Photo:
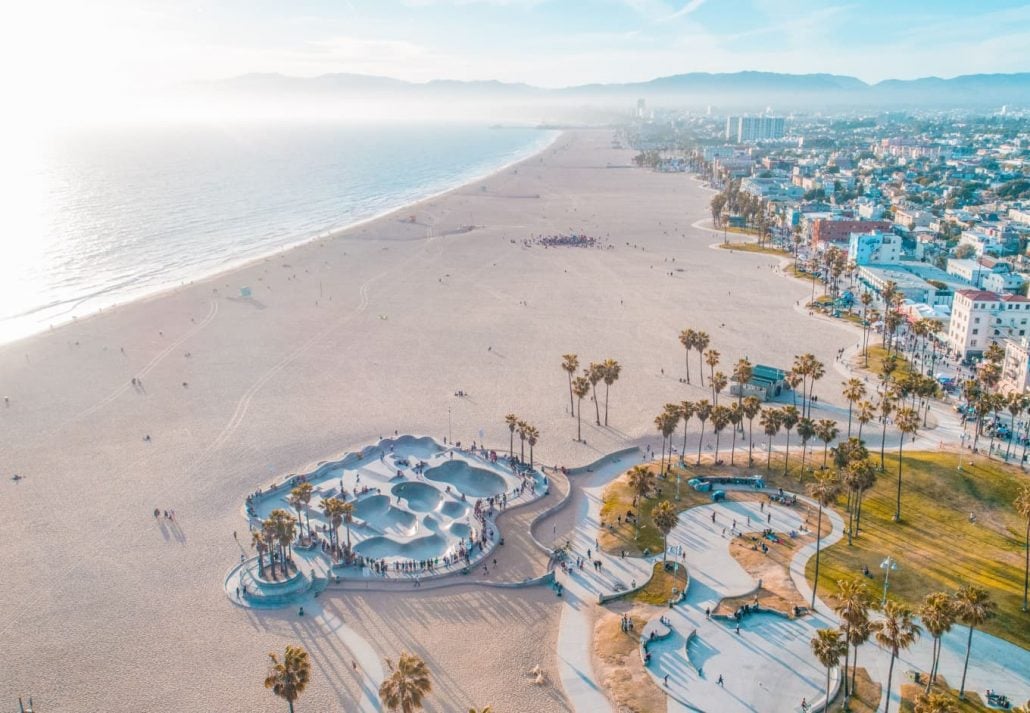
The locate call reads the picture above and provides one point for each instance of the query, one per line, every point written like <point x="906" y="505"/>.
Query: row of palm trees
<point x="896" y="630"/>
<point x="664" y="514"/>
<point x="275" y="537"/>
<point x="527" y="433"/>
<point x="606" y="371"/>
<point x="405" y="689"/>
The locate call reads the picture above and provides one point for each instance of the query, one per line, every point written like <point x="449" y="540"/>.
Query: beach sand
<point x="344" y="340"/>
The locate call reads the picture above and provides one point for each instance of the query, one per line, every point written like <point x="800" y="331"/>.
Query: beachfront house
<point x="767" y="382"/>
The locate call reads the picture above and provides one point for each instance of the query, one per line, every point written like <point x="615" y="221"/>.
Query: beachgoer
<point x="720" y="680"/>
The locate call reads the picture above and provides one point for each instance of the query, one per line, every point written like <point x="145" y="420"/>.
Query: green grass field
<point x="936" y="545"/>
<point x="754" y="248"/>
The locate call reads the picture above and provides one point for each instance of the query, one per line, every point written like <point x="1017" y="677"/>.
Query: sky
<point x="68" y="50"/>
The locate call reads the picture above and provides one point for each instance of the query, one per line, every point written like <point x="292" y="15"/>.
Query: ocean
<point x="98" y="217"/>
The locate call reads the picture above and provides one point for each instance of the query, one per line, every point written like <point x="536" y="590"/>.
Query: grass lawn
<point x="936" y="546"/>
<point x="865" y="699"/>
<point x="972" y="703"/>
<point x="877" y="355"/>
<point x="659" y="590"/>
<point x="753" y="248"/>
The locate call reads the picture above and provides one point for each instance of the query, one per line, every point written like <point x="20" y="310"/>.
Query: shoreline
<point x="147" y="293"/>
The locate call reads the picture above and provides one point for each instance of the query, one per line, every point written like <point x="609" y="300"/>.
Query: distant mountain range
<point x="745" y="91"/>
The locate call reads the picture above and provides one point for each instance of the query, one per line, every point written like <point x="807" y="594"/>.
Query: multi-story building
<point x="979" y="317"/>
<point x="1015" y="370"/>
<point x="829" y="232"/>
<point x="874" y="248"/>
<point x="754" y="128"/>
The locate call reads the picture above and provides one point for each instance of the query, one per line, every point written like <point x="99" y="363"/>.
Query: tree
<point x="736" y="416"/>
<point x="751" y="407"/>
<point x="771" y="420"/>
<point x="686" y="411"/>
<point x="852" y="607"/>
<point x="853" y="391"/>
<point x="334" y="510"/>
<point x="973" y="607"/>
<point x="927" y="702"/>
<point x="828" y="646"/>
<point x="289" y="676"/>
<point x="701" y="341"/>
<point x="865" y="415"/>
<point x="641" y="481"/>
<point x="569" y="364"/>
<point x="719" y="382"/>
<point x="742" y="373"/>
<point x="258" y="540"/>
<point x="610" y="370"/>
<point x="789" y="420"/>
<point x="859" y="476"/>
<point x="688" y="337"/>
<point x="580" y="387"/>
<point x="532" y="437"/>
<point x="407" y="685"/>
<point x="512" y="420"/>
<point x="702" y="409"/>
<point x="1022" y="505"/>
<point x="594" y="374"/>
<point x="666" y="423"/>
<point x="825" y="490"/>
<point x="886" y="408"/>
<point x="895" y="632"/>
<point x="907" y="421"/>
<point x="806" y="430"/>
<point x="711" y="358"/>
<point x="826" y="430"/>
<point x="938" y="614"/>
<point x="858" y="634"/>
<point x="720" y="419"/>
<point x="665" y="518"/>
<point x="299" y="498"/>
<point x="522" y="428"/>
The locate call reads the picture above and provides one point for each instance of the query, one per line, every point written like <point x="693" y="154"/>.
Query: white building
<point x="1015" y="370"/>
<point x="754" y="128"/>
<point x="979" y="317"/>
<point x="874" y="248"/>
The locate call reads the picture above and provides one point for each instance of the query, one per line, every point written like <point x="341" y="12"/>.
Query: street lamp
<point x="677" y="486"/>
<point x="888" y="566"/>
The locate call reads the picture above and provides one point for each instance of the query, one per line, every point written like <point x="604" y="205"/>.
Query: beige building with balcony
<point x="979" y="318"/>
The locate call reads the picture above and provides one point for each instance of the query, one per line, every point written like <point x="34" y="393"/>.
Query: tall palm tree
<point x="751" y="407"/>
<point x="816" y="371"/>
<point x="595" y="374"/>
<point x="665" y="518"/>
<point x="885" y="407"/>
<point x="858" y="633"/>
<point x="1015" y="404"/>
<point x="257" y="539"/>
<point x="828" y="646"/>
<point x="771" y="420"/>
<point x="853" y="601"/>
<point x="335" y="511"/>
<point x="825" y="490"/>
<point x="853" y="391"/>
<point x="289" y="676"/>
<point x="789" y="420"/>
<point x="907" y="421"/>
<point x="1022" y="505"/>
<point x="896" y="632"/>
<point x="806" y="430"/>
<point x="864" y="415"/>
<point x="641" y="481"/>
<point x="686" y="413"/>
<point x="610" y="370"/>
<point x="859" y="476"/>
<point x="407" y="685"/>
<point x="512" y="420"/>
<point x="702" y="409"/>
<point x="687" y="339"/>
<point x="296" y="501"/>
<point x="718" y="383"/>
<point x="927" y="702"/>
<point x="569" y="364"/>
<point x="938" y="614"/>
<point x="736" y="419"/>
<point x="532" y="437"/>
<point x="580" y="387"/>
<point x="742" y="373"/>
<point x="826" y="430"/>
<point x="701" y="341"/>
<point x="973" y="607"/>
<point x="720" y="420"/>
<point x="522" y="428"/>
<point x="712" y="357"/>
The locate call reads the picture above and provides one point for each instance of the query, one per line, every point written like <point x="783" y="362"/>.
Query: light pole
<point x="449" y="425"/>
<point x="677" y="486"/>
<point x="888" y="565"/>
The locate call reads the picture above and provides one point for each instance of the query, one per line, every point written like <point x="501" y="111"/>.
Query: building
<point x="979" y="317"/>
<point x="826" y="232"/>
<point x="874" y="248"/>
<point x="767" y="382"/>
<point x="912" y="218"/>
<point x="754" y="128"/>
<point x="1015" y="369"/>
<point x="641" y="108"/>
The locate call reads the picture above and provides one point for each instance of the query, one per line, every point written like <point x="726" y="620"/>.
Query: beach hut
<point x="766" y="382"/>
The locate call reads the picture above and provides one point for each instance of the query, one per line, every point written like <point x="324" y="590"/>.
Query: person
<point x="720" y="680"/>
<point x="301" y="612"/>
<point x="666" y="680"/>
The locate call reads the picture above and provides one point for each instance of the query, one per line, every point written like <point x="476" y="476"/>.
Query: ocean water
<point x="98" y="217"/>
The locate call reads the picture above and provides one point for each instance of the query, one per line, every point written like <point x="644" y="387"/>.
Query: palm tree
<point x="569" y="364"/>
<point x="816" y="372"/>
<point x="641" y="481"/>
<point x="806" y="430"/>
<point x="701" y="341"/>
<point x="826" y="430"/>
<point x="711" y="358"/>
<point x="610" y="370"/>
<point x="852" y="607"/>
<point x="895" y="632"/>
<point x="522" y="428"/>
<point x="595" y="374"/>
<point x="702" y="409"/>
<point x="719" y="382"/>
<point x="938" y="614"/>
<point x="335" y="510"/>
<point x="289" y="676"/>
<point x="828" y="646"/>
<point x="687" y="339"/>
<point x="858" y="633"/>
<point x="1015" y="404"/>
<point x="1022" y="505"/>
<point x="825" y="490"/>
<point x="665" y="518"/>
<point x="484" y="709"/>
<point x="686" y="413"/>
<point x="742" y="373"/>
<point x="258" y="541"/>
<point x="751" y="407"/>
<point x="865" y="415"/>
<point x="789" y="420"/>
<point x="927" y="702"/>
<point x="771" y="420"/>
<point x="512" y="420"/>
<point x="580" y="387"/>
<point x="973" y="607"/>
<point x="859" y="476"/>
<point x="736" y="419"/>
<point x="885" y="408"/>
<point x="532" y="437"/>
<point x="907" y="422"/>
<point x="296" y="501"/>
<point x="854" y="390"/>
<point x="720" y="420"/>
<point x="407" y="685"/>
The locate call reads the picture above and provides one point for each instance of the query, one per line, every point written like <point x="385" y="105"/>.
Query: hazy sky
<point x="92" y="48"/>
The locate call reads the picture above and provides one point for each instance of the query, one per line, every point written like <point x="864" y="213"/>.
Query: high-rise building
<point x="754" y="128"/>
<point x="641" y="108"/>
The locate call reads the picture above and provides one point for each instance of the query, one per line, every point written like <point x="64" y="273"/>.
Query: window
<point x="976" y="331"/>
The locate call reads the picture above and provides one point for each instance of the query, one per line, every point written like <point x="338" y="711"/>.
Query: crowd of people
<point x="566" y="240"/>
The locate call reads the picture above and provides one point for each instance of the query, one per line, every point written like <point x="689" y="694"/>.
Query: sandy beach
<point x="344" y="340"/>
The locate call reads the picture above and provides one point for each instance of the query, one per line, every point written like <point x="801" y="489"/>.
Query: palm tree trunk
<point x="854" y="667"/>
<point x="607" y="388"/>
<point x="933" y="663"/>
<point x="511" y="443"/>
<point x="683" y="453"/>
<point x="733" y="444"/>
<point x="890" y="674"/>
<point x="700" y="440"/>
<point x="530" y="455"/>
<point x="750" y="440"/>
<point x="844" y="678"/>
<point x="1026" y="567"/>
<point x="701" y="367"/>
<point x="965" y="666"/>
<point x="828" y="686"/>
<point x="786" y="454"/>
<point x="717" y="434"/>
<point x="686" y="360"/>
<point x="291" y="706"/>
<point x="818" y="544"/>
<point x="883" y="443"/>
<point x="597" y="407"/>
<point x="768" y="458"/>
<point x="579" y="422"/>
<point x="897" y="507"/>
<point x="572" y="404"/>
<point x="860" y="424"/>
<point x="850" y="404"/>
<point x="804" y="445"/>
